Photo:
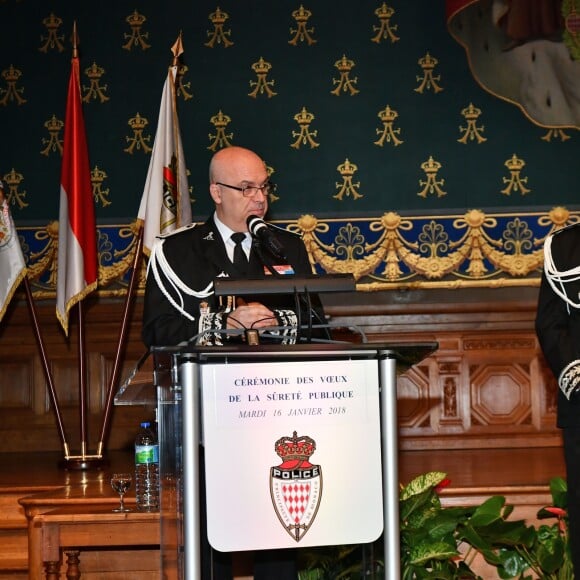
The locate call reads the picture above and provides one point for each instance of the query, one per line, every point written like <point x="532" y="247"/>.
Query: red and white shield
<point x="296" y="493"/>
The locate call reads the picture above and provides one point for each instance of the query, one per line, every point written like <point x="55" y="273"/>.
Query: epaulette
<point x="177" y="231"/>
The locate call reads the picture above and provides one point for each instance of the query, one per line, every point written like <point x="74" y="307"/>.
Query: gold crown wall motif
<point x="295" y="448"/>
<point x="53" y="125"/>
<point x="52" y="22"/>
<point x="347" y="169"/>
<point x="515" y="163"/>
<point x="98" y="175"/>
<point x="137" y="122"/>
<point x="344" y="64"/>
<point x="302" y="14"/>
<point x="220" y="120"/>
<point x="94" y="72"/>
<point x="471" y="112"/>
<point x="261" y="67"/>
<point x="135" y="19"/>
<point x="12" y="178"/>
<point x="11" y="74"/>
<point x="304" y="117"/>
<point x="430" y="166"/>
<point x="384" y="11"/>
<point x="388" y="115"/>
<point x="427" y="61"/>
<point x="218" y="17"/>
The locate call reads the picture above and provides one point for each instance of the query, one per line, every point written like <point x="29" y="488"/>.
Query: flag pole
<point x="82" y="379"/>
<point x="45" y="365"/>
<point x="177" y="50"/>
<point x="120" y="343"/>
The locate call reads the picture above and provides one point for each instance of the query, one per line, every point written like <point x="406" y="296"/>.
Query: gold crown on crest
<point x="427" y="61"/>
<point x="98" y="175"/>
<point x="137" y="122"/>
<point x="54" y="125"/>
<point x="261" y="67"/>
<point x="384" y="11"/>
<point x="344" y="64"/>
<point x="302" y="14"/>
<point x="135" y="19"/>
<point x="219" y="16"/>
<point x="12" y="178"/>
<point x="300" y="448"/>
<point x="304" y="117"/>
<point x="471" y="112"/>
<point x="430" y="166"/>
<point x="94" y="71"/>
<point x="52" y="22"/>
<point x="11" y="74"/>
<point x="515" y="163"/>
<point x="347" y="169"/>
<point x="220" y="120"/>
<point x="387" y="114"/>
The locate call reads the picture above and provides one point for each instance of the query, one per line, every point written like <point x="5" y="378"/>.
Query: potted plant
<point x="441" y="542"/>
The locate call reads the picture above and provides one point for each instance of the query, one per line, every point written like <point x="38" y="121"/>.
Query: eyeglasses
<point x="250" y="190"/>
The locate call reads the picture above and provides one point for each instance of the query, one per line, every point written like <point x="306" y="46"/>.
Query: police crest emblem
<point x="296" y="484"/>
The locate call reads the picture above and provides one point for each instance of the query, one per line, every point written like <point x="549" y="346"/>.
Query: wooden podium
<point x="231" y="379"/>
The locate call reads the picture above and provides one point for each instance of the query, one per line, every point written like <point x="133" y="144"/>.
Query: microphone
<point x="260" y="230"/>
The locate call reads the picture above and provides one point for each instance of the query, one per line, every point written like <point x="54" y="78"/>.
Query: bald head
<point x="230" y="170"/>
<point x="233" y="160"/>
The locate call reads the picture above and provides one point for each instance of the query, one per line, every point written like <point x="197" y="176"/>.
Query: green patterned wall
<point x="359" y="109"/>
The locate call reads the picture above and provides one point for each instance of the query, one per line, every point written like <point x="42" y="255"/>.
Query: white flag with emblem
<point x="12" y="264"/>
<point x="165" y="204"/>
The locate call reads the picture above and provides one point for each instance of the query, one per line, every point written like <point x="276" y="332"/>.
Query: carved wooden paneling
<point x="17" y="380"/>
<point x="487" y="385"/>
<point x="27" y="417"/>
<point x="500" y="394"/>
<point x="413" y="396"/>
<point x="450" y="410"/>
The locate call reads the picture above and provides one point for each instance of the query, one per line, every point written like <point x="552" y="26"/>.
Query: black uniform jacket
<point x="197" y="254"/>
<point x="557" y="326"/>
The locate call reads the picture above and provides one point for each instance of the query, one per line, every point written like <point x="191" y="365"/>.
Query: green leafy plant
<point x="441" y="542"/>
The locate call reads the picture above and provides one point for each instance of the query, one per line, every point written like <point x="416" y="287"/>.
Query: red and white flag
<point x="77" y="270"/>
<point x="165" y="205"/>
<point x="12" y="264"/>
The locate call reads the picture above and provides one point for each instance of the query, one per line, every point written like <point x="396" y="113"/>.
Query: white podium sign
<point x="292" y="453"/>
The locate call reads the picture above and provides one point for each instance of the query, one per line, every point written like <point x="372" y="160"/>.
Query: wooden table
<point x="78" y="514"/>
<point x="77" y="527"/>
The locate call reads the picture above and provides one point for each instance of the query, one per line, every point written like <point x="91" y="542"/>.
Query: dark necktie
<point x="240" y="258"/>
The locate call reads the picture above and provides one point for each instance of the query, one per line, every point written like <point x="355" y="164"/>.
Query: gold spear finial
<point x="177" y="49"/>
<point x="75" y="40"/>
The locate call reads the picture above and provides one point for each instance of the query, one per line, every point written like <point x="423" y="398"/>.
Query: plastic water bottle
<point x="147" y="469"/>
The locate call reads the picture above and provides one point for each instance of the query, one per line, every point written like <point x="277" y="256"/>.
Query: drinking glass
<point x="121" y="482"/>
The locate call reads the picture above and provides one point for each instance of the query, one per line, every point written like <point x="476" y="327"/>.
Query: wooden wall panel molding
<point x="27" y="419"/>
<point x="414" y="396"/>
<point x="17" y="383"/>
<point x="452" y="405"/>
<point x="487" y="386"/>
<point x="500" y="394"/>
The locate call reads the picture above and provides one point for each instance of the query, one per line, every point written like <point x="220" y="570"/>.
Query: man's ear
<point x="216" y="193"/>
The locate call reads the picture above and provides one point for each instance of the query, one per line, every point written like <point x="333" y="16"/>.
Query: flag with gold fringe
<point x="12" y="264"/>
<point x="77" y="270"/>
<point x="165" y="204"/>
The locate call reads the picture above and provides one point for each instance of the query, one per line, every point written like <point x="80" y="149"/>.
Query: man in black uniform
<point x="180" y="304"/>
<point x="179" y="299"/>
<point x="558" y="330"/>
